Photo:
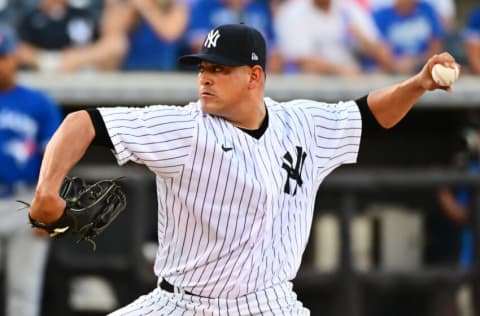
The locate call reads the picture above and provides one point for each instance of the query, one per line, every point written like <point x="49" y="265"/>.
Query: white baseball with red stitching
<point x="444" y="76"/>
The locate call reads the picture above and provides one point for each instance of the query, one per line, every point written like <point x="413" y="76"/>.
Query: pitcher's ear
<point x="256" y="75"/>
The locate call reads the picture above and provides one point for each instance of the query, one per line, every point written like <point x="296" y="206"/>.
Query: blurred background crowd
<point x="328" y="37"/>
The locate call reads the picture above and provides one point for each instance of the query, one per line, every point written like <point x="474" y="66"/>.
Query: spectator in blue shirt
<point x="28" y="119"/>
<point x="153" y="29"/>
<point x="413" y="31"/>
<point x="471" y="36"/>
<point x="208" y="14"/>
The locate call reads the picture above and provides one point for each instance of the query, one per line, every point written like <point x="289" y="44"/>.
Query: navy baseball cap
<point x="8" y="40"/>
<point x="231" y="45"/>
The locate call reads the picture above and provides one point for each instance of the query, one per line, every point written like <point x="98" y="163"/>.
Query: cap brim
<point x="196" y="59"/>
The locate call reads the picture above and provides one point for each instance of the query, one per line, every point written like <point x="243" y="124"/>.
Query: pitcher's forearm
<point x="65" y="149"/>
<point x="389" y="105"/>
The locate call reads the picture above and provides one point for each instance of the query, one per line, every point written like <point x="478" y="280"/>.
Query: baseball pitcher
<point x="236" y="176"/>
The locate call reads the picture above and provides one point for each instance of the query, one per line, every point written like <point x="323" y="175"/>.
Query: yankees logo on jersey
<point x="294" y="172"/>
<point x="226" y="199"/>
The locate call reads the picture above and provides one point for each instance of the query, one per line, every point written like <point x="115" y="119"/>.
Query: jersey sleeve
<point x="337" y="132"/>
<point x="159" y="137"/>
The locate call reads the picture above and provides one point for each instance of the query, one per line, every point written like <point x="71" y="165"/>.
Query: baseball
<point x="444" y="76"/>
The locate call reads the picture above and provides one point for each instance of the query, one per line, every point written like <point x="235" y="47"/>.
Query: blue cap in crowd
<point x="8" y="40"/>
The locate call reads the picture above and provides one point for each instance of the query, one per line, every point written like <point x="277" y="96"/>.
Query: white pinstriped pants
<point x="275" y="301"/>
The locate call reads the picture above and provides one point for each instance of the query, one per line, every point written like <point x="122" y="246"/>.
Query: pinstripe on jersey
<point x="234" y="211"/>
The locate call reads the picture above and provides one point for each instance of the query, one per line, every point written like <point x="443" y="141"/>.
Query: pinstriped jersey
<point x="234" y="212"/>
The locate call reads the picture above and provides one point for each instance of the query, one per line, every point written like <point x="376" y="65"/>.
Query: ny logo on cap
<point x="212" y="39"/>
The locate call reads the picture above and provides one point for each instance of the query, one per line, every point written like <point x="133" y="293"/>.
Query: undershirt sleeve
<point x="363" y="107"/>
<point x="369" y="122"/>
<point x="101" y="135"/>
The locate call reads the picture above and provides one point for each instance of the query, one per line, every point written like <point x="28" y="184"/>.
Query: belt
<point x="164" y="285"/>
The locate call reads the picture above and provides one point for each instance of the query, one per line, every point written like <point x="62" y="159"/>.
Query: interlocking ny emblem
<point x="293" y="172"/>
<point x="212" y="39"/>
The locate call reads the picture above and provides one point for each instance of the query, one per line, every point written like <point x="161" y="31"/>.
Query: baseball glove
<point x="89" y="210"/>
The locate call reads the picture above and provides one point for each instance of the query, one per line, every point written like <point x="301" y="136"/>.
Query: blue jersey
<point x="28" y="119"/>
<point x="409" y="35"/>
<point x="472" y="27"/>
<point x="206" y="15"/>
<point x="149" y="52"/>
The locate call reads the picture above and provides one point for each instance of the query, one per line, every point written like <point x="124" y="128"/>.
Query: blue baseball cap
<point x="8" y="41"/>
